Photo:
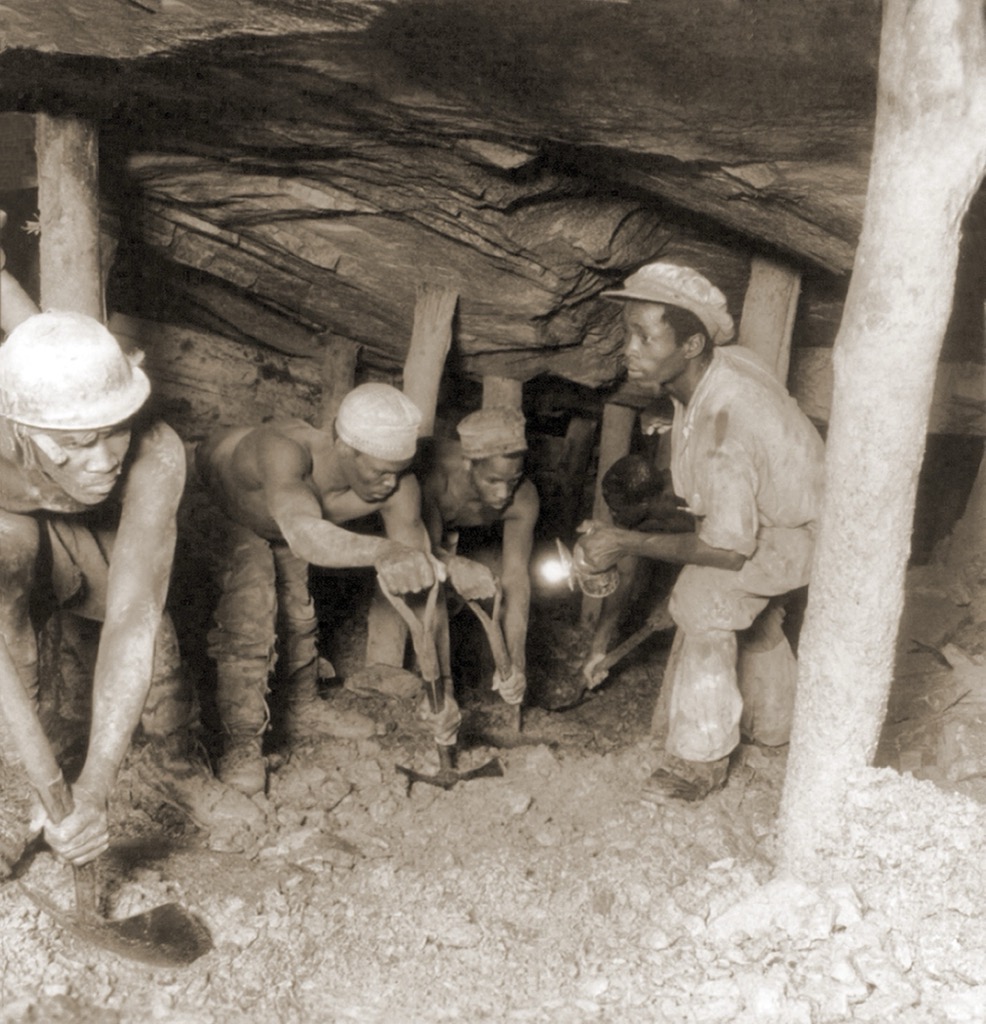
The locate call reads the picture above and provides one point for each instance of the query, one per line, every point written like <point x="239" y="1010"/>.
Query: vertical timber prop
<point x="68" y="202"/>
<point x="615" y="439"/>
<point x="431" y="339"/>
<point x="929" y="154"/>
<point x="499" y="391"/>
<point x="338" y="376"/>
<point x="769" y="308"/>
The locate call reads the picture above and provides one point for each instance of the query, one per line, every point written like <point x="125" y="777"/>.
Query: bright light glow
<point x="554" y="570"/>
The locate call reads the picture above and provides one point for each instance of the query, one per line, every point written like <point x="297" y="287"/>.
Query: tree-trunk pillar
<point x="929" y="152"/>
<point x="68" y="202"/>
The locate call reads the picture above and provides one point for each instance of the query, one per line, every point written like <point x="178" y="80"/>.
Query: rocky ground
<point x="551" y="893"/>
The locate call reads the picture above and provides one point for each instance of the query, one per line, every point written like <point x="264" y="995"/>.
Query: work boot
<point x="678" y="779"/>
<point x="177" y="770"/>
<point x="243" y="765"/>
<point x="311" y="717"/>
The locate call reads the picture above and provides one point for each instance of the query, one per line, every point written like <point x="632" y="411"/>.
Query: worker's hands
<point x="472" y="580"/>
<point x="84" y="834"/>
<point x="592" y="673"/>
<point x="512" y="687"/>
<point x="445" y="724"/>
<point x="406" y="570"/>
<point x="599" y="547"/>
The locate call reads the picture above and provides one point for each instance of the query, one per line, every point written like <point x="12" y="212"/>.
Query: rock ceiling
<point x="298" y="160"/>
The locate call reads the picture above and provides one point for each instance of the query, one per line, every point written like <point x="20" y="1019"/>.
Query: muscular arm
<point x="518" y="540"/>
<point x="604" y="545"/>
<point x="139" y="574"/>
<point x="284" y="467"/>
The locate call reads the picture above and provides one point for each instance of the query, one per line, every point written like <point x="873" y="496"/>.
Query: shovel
<point x="423" y="638"/>
<point x="494" y="633"/>
<point x="166" y="936"/>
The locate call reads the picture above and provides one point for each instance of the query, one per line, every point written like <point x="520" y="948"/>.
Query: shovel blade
<point x="165" y="936"/>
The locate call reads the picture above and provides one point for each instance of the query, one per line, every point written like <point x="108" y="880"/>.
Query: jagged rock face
<point x="290" y="169"/>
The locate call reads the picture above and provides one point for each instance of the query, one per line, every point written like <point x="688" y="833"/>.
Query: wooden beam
<point x="503" y="391"/>
<point x="431" y="338"/>
<point x="768" y="313"/>
<point x="338" y="376"/>
<point x="68" y="201"/>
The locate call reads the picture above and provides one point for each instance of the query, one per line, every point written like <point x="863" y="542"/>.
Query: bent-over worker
<point x="749" y="465"/>
<point x="89" y="490"/>
<point x="283" y="488"/>
<point x="477" y="484"/>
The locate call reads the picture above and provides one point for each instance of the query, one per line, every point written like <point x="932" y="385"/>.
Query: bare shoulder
<point x="279" y="448"/>
<point x="158" y="446"/>
<point x="526" y="504"/>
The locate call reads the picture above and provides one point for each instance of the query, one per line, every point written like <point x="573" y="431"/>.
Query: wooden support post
<point x="502" y="391"/>
<point x="68" y="201"/>
<point x="768" y="313"/>
<point x="338" y="376"/>
<point x="431" y="338"/>
<point x="615" y="439"/>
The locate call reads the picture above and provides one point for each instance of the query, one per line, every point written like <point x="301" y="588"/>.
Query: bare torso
<point x="230" y="464"/>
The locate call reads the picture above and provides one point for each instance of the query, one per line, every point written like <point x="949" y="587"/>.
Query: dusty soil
<point x="552" y="893"/>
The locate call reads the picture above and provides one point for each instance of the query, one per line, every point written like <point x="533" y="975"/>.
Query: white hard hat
<point x="379" y="420"/>
<point x="65" y="371"/>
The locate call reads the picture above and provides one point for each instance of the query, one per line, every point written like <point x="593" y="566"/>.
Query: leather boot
<point x="243" y="765"/>
<point x="678" y="779"/>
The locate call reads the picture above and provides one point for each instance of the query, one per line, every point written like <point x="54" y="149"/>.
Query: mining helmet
<point x="66" y="371"/>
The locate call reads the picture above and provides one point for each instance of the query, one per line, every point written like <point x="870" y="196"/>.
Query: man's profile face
<point x="650" y="351"/>
<point x="373" y="479"/>
<point x="86" y="464"/>
<point x="496" y="479"/>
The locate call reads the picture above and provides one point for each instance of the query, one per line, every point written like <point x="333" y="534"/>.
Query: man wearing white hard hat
<point x="89" y="490"/>
<point x="284" y="488"/>
<point x="749" y="465"/>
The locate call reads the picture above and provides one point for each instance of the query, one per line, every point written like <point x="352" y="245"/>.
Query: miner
<point x="477" y="498"/>
<point x="749" y="466"/>
<point x="89" y="490"/>
<point x="283" y="489"/>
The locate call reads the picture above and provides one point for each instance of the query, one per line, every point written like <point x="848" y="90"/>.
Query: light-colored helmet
<point x="65" y="371"/>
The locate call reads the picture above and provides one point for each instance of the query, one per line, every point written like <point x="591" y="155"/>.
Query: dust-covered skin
<point x="750" y="466"/>
<point x="462" y="494"/>
<point x="138" y="473"/>
<point x="288" y="481"/>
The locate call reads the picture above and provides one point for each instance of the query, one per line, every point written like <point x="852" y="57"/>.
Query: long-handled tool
<point x="657" y="621"/>
<point x="494" y="634"/>
<point x="423" y="638"/>
<point x="165" y="936"/>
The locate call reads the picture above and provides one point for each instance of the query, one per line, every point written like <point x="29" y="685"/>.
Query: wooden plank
<point x="338" y="376"/>
<point x="502" y="391"/>
<point x="431" y="338"/>
<point x="68" y="201"/>
<point x="769" y="309"/>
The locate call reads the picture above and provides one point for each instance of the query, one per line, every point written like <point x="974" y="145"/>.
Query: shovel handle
<point x="422" y="630"/>
<point x="494" y="632"/>
<point x="43" y="771"/>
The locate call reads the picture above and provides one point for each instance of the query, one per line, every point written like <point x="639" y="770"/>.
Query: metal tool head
<point x="165" y="936"/>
